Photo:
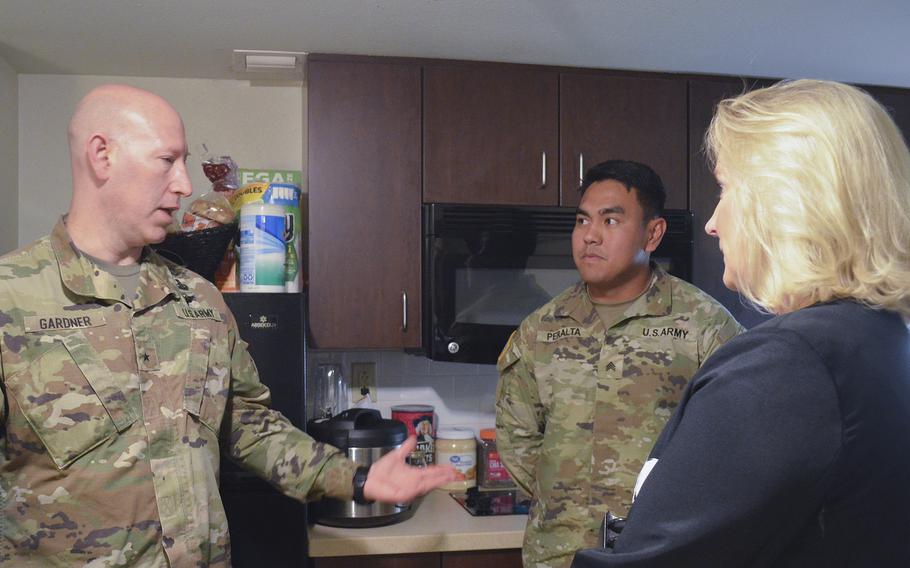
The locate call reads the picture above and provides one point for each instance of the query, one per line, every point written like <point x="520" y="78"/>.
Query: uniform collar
<point x="656" y="301"/>
<point x="82" y="277"/>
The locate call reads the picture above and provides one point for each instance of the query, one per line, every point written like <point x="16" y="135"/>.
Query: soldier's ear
<point x="655" y="230"/>
<point x="99" y="155"/>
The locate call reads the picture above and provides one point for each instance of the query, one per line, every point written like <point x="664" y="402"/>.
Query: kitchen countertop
<point x="440" y="524"/>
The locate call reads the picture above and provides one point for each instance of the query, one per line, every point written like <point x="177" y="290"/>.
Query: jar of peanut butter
<point x="456" y="447"/>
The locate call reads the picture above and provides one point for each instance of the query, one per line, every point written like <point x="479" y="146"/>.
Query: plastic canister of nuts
<point x="456" y="447"/>
<point x="491" y="473"/>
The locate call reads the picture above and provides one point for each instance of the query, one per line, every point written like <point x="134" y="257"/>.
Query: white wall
<point x="258" y="125"/>
<point x="9" y="150"/>
<point x="462" y="394"/>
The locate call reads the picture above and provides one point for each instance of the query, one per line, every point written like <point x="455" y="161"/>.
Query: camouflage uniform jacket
<point x="579" y="406"/>
<point x="113" y="412"/>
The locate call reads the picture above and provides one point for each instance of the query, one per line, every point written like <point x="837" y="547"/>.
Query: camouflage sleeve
<point x="724" y="329"/>
<point x="2" y="397"/>
<point x="2" y="391"/>
<point x="263" y="441"/>
<point x="519" y="414"/>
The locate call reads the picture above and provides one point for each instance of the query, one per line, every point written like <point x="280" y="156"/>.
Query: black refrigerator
<point x="267" y="528"/>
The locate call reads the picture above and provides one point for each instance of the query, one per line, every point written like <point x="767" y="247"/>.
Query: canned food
<point x="420" y="421"/>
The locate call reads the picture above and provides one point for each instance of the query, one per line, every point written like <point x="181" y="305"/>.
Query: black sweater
<point x="791" y="447"/>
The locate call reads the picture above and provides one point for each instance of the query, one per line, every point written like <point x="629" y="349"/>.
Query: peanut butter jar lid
<point x="488" y="434"/>
<point x="454" y="434"/>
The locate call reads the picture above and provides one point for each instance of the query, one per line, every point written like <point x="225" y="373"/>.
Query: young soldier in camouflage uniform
<point x="123" y="376"/>
<point x="588" y="381"/>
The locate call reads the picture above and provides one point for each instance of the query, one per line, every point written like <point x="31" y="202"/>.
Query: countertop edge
<point x="440" y="524"/>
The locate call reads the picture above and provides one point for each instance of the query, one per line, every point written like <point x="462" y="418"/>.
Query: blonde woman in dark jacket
<point x="790" y="446"/>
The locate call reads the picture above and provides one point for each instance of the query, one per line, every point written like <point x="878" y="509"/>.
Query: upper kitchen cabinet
<point x="707" y="260"/>
<point x="897" y="101"/>
<point x="605" y="117"/>
<point x="364" y="203"/>
<point x="490" y="134"/>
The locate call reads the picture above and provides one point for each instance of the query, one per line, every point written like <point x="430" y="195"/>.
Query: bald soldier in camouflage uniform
<point x="588" y="381"/>
<point x="115" y="405"/>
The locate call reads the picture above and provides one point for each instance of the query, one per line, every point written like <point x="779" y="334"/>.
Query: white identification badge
<point x="642" y="476"/>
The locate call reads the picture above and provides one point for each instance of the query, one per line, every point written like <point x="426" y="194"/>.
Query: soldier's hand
<point x="391" y="480"/>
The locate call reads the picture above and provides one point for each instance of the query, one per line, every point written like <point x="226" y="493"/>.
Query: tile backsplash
<point x="462" y="394"/>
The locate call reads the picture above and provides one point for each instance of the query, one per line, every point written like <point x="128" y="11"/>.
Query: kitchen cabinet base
<point x="509" y="558"/>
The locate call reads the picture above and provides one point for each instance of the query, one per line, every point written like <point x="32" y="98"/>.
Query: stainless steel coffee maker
<point x="365" y="436"/>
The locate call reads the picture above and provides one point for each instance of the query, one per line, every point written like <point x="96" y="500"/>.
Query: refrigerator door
<point x="267" y="528"/>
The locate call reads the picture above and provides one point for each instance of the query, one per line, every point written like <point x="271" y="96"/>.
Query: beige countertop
<point x="440" y="524"/>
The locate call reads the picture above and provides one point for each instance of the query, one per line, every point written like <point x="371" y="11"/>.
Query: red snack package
<point x="222" y="172"/>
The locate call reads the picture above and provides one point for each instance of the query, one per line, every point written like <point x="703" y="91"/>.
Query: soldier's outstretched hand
<point x="391" y="480"/>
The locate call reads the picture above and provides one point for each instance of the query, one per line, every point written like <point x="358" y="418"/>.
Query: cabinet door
<point x="707" y="260"/>
<point x="490" y="134"/>
<point x="631" y="118"/>
<point x="508" y="558"/>
<point x="364" y="204"/>
<point x="897" y="101"/>
<point x="426" y="560"/>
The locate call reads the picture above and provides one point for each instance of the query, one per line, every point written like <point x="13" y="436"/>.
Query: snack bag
<point x="212" y="209"/>
<point x="222" y="172"/>
<point x="207" y="211"/>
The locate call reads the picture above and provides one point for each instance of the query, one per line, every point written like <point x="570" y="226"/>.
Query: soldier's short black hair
<point x="649" y="187"/>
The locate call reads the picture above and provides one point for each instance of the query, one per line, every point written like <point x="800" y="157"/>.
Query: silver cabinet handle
<point x="543" y="169"/>
<point x="404" y="311"/>
<point x="581" y="169"/>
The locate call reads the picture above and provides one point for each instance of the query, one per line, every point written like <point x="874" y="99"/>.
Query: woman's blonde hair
<point x="819" y="176"/>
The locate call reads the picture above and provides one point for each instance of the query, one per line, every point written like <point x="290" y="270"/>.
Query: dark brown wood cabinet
<point x="604" y="117"/>
<point x="707" y="260"/>
<point x="482" y="559"/>
<point x="385" y="135"/>
<point x="490" y="134"/>
<point x="364" y="204"/>
<point x="509" y="558"/>
<point x="897" y="101"/>
<point x="426" y="560"/>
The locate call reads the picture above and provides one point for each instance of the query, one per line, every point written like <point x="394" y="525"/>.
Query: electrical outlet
<point x="363" y="381"/>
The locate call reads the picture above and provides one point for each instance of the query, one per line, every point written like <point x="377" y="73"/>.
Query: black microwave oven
<point x="486" y="267"/>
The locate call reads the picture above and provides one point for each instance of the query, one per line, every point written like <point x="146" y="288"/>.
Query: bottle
<point x="490" y="471"/>
<point x="456" y="447"/>
<point x="288" y="197"/>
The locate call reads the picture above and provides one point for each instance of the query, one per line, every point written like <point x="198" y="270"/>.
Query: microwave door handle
<point x="581" y="169"/>
<point x="543" y="169"/>
<point x="404" y="310"/>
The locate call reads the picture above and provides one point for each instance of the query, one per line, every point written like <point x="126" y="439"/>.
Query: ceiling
<point x="863" y="42"/>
